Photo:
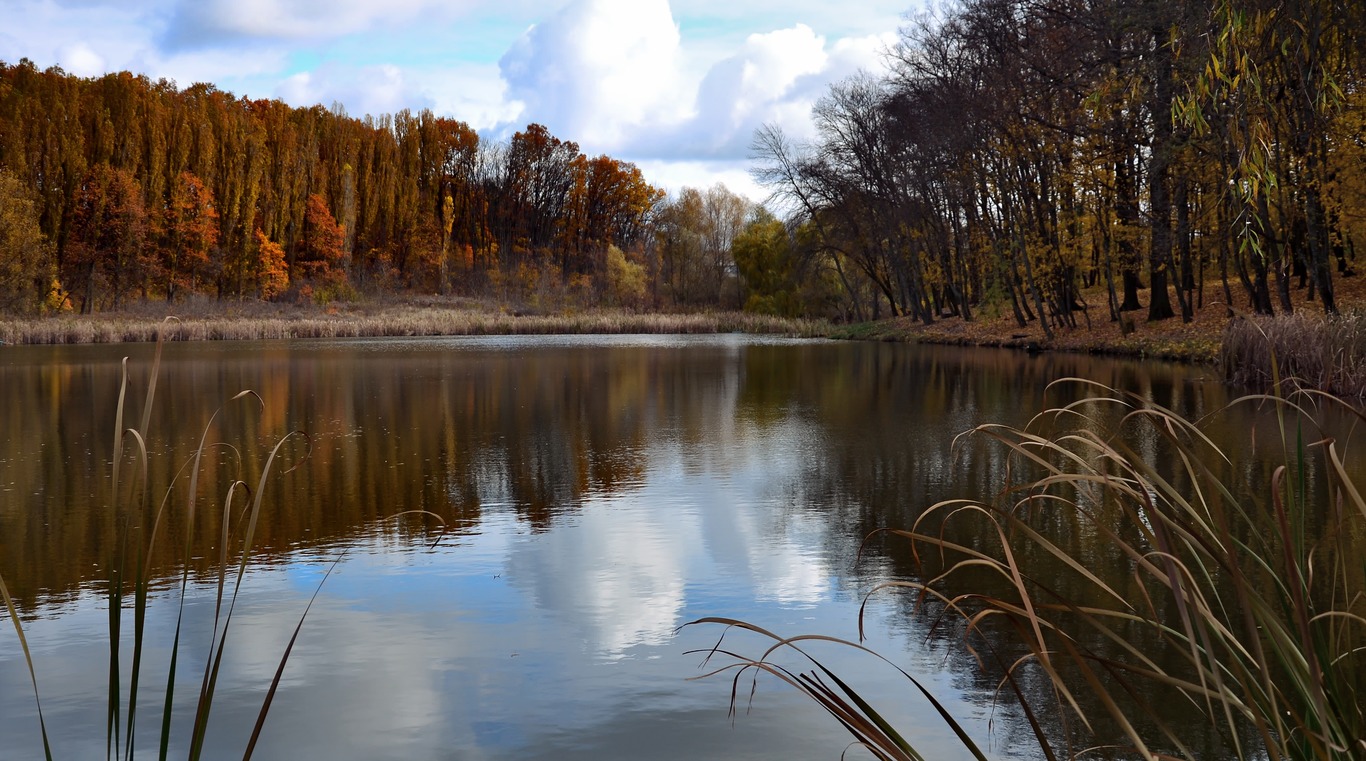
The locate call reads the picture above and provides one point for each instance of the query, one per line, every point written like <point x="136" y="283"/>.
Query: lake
<point x="583" y="497"/>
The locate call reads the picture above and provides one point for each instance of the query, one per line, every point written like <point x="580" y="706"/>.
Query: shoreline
<point x="1303" y="349"/>
<point x="1168" y="340"/>
<point x="417" y="320"/>
<point x="259" y="321"/>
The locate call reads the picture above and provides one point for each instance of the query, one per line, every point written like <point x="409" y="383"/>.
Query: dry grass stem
<point x="392" y="321"/>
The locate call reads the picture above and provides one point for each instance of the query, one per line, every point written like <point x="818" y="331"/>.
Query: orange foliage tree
<point x="609" y="204"/>
<point x="212" y="170"/>
<point x="104" y="251"/>
<point x="320" y="253"/>
<point x="189" y="233"/>
<point x="272" y="273"/>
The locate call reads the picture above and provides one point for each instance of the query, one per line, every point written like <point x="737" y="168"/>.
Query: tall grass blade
<point x="216" y="659"/>
<point x="205" y="690"/>
<point x="217" y="640"/>
<point x="1253" y="610"/>
<point x="115" y="600"/>
<point x="280" y="669"/>
<point x="1248" y="607"/>
<point x="139" y="608"/>
<point x="115" y="589"/>
<point x="167" y="706"/>
<point x="28" y="661"/>
<point x="859" y="717"/>
<point x="146" y="426"/>
<point x="132" y="505"/>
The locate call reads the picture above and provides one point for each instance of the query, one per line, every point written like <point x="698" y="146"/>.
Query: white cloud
<point x="474" y="93"/>
<point x="213" y="66"/>
<point x="367" y="90"/>
<point x="614" y="577"/>
<point x="774" y="77"/>
<point x="616" y="76"/>
<point x="94" y="37"/>
<point x="597" y="69"/>
<point x="673" y="175"/>
<point x="868" y="52"/>
<point x="71" y="37"/>
<point x="79" y="59"/>
<point x="751" y="87"/>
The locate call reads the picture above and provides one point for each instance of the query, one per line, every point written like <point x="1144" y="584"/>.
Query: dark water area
<point x="581" y="498"/>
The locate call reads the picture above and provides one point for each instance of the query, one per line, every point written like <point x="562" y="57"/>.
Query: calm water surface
<point x="594" y="494"/>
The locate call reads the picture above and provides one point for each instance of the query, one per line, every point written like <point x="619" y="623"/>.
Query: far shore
<point x="1200" y="341"/>
<point x="210" y="321"/>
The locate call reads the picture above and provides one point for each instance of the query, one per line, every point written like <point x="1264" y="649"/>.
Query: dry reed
<point x="1244" y="610"/>
<point x="131" y="497"/>
<point x="1305" y="351"/>
<point x="395" y="321"/>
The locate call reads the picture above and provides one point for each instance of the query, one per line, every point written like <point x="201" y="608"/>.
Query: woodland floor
<point x="1196" y="341"/>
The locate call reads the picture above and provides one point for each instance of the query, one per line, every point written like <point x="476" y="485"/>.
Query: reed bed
<point x="1305" y="351"/>
<point x="1242" y="614"/>
<point x="139" y="505"/>
<point x="395" y="321"/>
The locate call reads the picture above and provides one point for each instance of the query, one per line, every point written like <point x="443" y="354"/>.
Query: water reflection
<point x="595" y="493"/>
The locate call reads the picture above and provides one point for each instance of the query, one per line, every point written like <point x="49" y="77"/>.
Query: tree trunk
<point x="1159" y="195"/>
<point x="1185" y="287"/>
<point x="1126" y="213"/>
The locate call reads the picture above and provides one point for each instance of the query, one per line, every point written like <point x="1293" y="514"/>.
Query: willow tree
<point x="1274" y="82"/>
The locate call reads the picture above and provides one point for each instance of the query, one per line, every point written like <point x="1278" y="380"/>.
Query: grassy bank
<point x="259" y="321"/>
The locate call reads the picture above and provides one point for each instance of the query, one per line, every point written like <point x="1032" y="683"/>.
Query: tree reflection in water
<point x="838" y="440"/>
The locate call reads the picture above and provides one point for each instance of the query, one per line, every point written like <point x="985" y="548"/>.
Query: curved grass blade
<point x="115" y="590"/>
<point x="28" y="660"/>
<point x="114" y="597"/>
<point x="280" y="670"/>
<point x="216" y="657"/>
<point x="139" y="608"/>
<point x="867" y="724"/>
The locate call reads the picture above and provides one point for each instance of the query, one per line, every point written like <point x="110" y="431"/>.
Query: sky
<point x="676" y="87"/>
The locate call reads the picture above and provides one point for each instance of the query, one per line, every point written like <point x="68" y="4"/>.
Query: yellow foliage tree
<point x="626" y="280"/>
<point x="27" y="269"/>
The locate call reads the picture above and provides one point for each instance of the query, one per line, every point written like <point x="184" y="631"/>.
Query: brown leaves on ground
<point x="1196" y="341"/>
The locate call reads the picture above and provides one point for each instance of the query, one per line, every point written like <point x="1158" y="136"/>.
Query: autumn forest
<point x="1056" y="160"/>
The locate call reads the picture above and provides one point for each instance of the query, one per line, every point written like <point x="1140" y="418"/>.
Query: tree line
<point x="117" y="189"/>
<point x="1022" y="154"/>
